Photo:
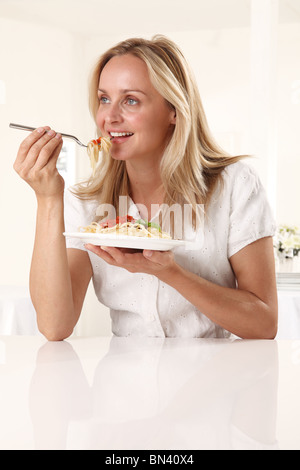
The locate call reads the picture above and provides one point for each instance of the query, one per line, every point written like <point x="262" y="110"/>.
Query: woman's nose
<point x="113" y="113"/>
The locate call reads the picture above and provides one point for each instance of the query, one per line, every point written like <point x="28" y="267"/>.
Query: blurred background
<point x="246" y="58"/>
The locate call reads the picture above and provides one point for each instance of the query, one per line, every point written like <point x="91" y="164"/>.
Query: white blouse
<point x="142" y="305"/>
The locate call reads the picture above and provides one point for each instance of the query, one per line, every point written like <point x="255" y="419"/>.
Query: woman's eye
<point x="132" y="101"/>
<point x="103" y="99"/>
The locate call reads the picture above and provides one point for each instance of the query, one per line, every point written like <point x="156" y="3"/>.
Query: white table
<point x="155" y="394"/>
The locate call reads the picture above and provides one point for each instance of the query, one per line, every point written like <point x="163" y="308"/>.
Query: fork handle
<point x="19" y="126"/>
<point x="28" y="128"/>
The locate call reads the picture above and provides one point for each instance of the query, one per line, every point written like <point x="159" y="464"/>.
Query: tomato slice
<point x="119" y="220"/>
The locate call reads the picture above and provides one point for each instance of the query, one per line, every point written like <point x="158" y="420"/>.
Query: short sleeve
<point x="251" y="217"/>
<point x="77" y="213"/>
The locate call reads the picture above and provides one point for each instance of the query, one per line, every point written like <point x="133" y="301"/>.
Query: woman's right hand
<point x="36" y="162"/>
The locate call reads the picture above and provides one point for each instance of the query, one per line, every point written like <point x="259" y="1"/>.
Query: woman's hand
<point x="158" y="263"/>
<point x="36" y="162"/>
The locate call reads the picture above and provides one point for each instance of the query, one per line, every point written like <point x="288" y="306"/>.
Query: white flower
<point x="288" y="243"/>
<point x="287" y="240"/>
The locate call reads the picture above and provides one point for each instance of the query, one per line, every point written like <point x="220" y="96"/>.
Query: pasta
<point x="94" y="147"/>
<point x="127" y="226"/>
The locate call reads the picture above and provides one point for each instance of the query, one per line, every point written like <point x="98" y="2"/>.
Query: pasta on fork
<point x="94" y="147"/>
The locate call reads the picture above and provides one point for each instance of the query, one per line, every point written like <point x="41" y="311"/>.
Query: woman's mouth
<point x="120" y="134"/>
<point x="118" y="137"/>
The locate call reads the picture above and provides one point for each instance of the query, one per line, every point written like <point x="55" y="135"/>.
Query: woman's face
<point x="131" y="111"/>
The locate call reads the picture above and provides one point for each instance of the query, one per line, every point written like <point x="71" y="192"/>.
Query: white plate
<point x="125" y="241"/>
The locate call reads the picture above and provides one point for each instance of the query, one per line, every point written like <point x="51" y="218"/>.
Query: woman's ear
<point x="173" y="117"/>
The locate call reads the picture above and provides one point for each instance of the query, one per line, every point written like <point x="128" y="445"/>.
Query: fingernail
<point x="40" y="130"/>
<point x="51" y="133"/>
<point x="58" y="136"/>
<point x="148" y="253"/>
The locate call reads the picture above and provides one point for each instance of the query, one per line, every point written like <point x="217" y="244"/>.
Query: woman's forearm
<point x="50" y="282"/>
<point x="238" y="311"/>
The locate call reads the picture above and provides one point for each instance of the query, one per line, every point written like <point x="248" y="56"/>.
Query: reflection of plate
<point x="125" y="241"/>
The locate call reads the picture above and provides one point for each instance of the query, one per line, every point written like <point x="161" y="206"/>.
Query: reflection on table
<point x="157" y="394"/>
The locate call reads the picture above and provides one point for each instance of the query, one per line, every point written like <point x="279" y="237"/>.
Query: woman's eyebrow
<point x="126" y="90"/>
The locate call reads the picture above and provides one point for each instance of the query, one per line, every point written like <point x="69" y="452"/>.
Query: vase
<point x="289" y="264"/>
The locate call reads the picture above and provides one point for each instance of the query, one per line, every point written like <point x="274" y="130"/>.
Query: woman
<point x="144" y="97"/>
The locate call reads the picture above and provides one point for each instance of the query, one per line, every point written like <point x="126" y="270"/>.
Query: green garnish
<point x="148" y="224"/>
<point x="141" y="222"/>
<point x="153" y="225"/>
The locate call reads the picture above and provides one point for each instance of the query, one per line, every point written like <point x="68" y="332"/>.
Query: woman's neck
<point x="145" y="187"/>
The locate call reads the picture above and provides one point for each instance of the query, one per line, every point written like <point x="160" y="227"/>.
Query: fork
<point x="27" y="128"/>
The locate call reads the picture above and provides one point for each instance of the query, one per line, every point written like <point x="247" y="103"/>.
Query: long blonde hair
<point x="192" y="162"/>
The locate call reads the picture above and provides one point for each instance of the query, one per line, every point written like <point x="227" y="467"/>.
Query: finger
<point x="116" y="254"/>
<point x="118" y="257"/>
<point x="159" y="257"/>
<point x="49" y="153"/>
<point x="27" y="143"/>
<point x="97" y="250"/>
<point x="30" y="148"/>
<point x="124" y="257"/>
<point x="41" y="147"/>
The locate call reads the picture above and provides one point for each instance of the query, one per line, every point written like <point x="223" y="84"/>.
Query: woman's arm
<point x="58" y="281"/>
<point x="58" y="277"/>
<point x="250" y="311"/>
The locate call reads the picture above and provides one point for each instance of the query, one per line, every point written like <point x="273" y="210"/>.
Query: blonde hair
<point x="192" y="162"/>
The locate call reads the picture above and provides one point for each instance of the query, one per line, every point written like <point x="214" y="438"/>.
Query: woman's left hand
<point x="157" y="263"/>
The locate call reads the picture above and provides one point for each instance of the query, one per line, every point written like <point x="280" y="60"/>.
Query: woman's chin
<point x="122" y="156"/>
<point x="119" y="157"/>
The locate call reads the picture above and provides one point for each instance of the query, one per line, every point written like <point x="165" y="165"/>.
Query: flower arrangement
<point x="287" y="241"/>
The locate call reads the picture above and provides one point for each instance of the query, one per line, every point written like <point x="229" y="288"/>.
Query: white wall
<point x="221" y="60"/>
<point x="46" y="71"/>
<point x="288" y="89"/>
<point x="45" y="84"/>
<point x="36" y="65"/>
